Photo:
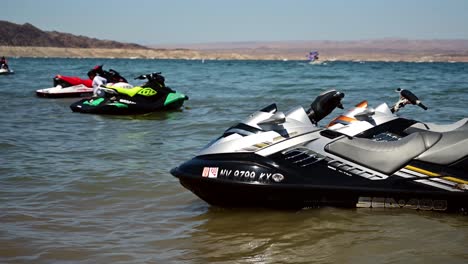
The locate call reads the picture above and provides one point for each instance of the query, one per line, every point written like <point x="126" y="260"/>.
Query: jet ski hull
<point x="6" y="72"/>
<point x="106" y="106"/>
<point x="249" y="180"/>
<point x="65" y="92"/>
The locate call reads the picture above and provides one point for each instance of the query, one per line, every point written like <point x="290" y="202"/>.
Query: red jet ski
<point x="67" y="81"/>
<point x="72" y="86"/>
<point x="67" y="86"/>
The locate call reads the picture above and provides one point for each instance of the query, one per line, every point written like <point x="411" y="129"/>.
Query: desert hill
<point x="27" y="35"/>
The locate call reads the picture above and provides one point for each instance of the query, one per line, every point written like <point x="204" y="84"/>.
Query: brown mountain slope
<point x="27" y="35"/>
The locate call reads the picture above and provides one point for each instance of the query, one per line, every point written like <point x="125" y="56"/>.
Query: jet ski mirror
<point x="324" y="104"/>
<point x="276" y="119"/>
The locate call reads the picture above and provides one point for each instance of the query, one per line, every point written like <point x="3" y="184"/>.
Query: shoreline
<point x="246" y="54"/>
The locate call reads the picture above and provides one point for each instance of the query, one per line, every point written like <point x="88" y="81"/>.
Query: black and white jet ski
<point x="365" y="158"/>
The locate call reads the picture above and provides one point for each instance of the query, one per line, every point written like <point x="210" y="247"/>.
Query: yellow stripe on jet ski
<point x="433" y="174"/>
<point x="425" y="172"/>
<point x="453" y="179"/>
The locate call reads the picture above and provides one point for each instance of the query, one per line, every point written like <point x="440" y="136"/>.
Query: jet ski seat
<point x="419" y="127"/>
<point x="385" y="157"/>
<point x="453" y="146"/>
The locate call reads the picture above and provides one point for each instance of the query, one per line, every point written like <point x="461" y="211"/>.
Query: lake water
<point x="77" y="188"/>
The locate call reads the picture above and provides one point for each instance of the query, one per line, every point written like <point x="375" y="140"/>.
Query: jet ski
<point x="152" y="96"/>
<point x="67" y="86"/>
<point x="5" y="70"/>
<point x="368" y="157"/>
<point x="72" y="86"/>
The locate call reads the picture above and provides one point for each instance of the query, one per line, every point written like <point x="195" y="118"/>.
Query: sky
<point x="204" y="21"/>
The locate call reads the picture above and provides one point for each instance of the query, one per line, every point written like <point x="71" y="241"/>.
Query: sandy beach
<point x="233" y="54"/>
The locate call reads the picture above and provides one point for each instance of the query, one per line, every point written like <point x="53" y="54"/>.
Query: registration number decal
<point x="242" y="175"/>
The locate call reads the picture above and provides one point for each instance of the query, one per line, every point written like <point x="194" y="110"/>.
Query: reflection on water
<point x="327" y="235"/>
<point x="78" y="188"/>
<point x="163" y="115"/>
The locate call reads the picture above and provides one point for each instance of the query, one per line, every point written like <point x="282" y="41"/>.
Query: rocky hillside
<point x="27" y="35"/>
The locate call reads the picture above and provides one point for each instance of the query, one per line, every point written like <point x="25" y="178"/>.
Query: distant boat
<point x="313" y="57"/>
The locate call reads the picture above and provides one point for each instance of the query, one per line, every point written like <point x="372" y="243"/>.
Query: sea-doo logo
<point x="417" y="204"/>
<point x="210" y="172"/>
<point x="278" y="177"/>
<point x="147" y="92"/>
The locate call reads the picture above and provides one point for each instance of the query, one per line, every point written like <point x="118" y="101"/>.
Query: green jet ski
<point x="152" y="96"/>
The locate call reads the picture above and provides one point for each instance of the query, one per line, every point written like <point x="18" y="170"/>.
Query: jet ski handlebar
<point x="147" y="76"/>
<point x="324" y="104"/>
<point x="407" y="97"/>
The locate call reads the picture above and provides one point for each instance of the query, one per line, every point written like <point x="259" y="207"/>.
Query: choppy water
<point x="78" y="188"/>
